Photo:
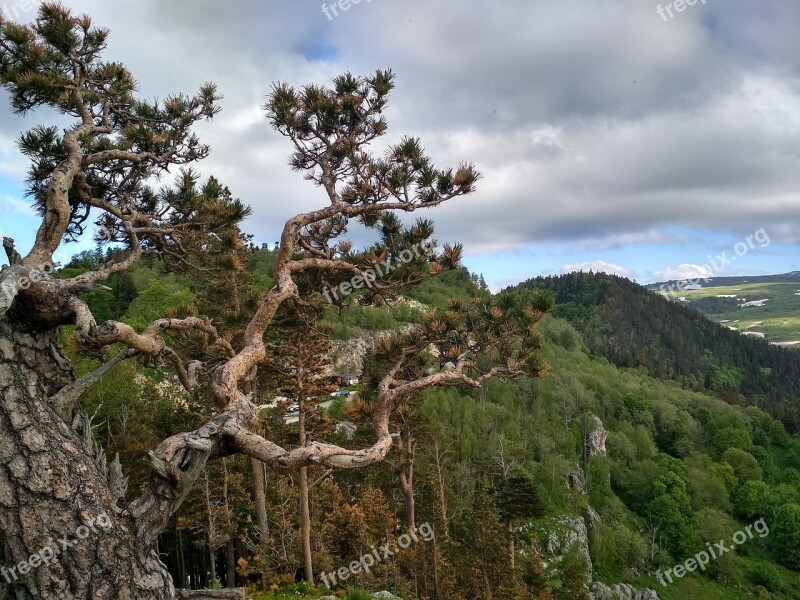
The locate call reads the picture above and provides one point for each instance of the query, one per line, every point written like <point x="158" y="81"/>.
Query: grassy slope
<point x="778" y="319"/>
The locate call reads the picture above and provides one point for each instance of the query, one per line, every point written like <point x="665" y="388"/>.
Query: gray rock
<point x="566" y="533"/>
<point x="592" y="518"/>
<point x="595" y="442"/>
<point x="385" y="596"/>
<point x="621" y="591"/>
<point x="348" y="429"/>
<point x="348" y="355"/>
<point x="577" y="480"/>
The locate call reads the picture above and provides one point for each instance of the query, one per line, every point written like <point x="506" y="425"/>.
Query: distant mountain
<point x="794" y="276"/>
<point x="633" y="326"/>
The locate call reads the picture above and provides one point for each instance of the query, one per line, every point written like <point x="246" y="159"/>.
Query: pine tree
<point x="535" y="577"/>
<point x="100" y="165"/>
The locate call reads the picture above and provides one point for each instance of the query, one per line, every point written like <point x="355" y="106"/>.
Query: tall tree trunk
<point x="260" y="494"/>
<point x="305" y="508"/>
<point x="212" y="565"/>
<point x="212" y="530"/>
<point x="438" y="458"/>
<point x="181" y="561"/>
<point x="231" y="575"/>
<point x="305" y="518"/>
<point x="51" y="488"/>
<point x="407" y="485"/>
<point x="512" y="552"/>
<point x="407" y="452"/>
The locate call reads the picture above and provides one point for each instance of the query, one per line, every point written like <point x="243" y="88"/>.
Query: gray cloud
<point x="593" y="122"/>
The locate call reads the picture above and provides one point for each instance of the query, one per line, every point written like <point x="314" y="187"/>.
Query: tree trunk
<point x="181" y="561"/>
<point x="512" y="552"/>
<point x="231" y="576"/>
<point x="51" y="488"/>
<point x="407" y="485"/>
<point x="438" y="457"/>
<point x="212" y="565"/>
<point x="305" y="518"/>
<point x="260" y="493"/>
<point x="407" y="479"/>
<point x="305" y="508"/>
<point x="212" y="534"/>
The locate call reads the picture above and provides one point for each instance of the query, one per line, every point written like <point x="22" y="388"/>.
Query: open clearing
<point x="778" y="319"/>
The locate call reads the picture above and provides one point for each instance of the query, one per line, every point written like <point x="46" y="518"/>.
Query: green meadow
<point x="778" y="318"/>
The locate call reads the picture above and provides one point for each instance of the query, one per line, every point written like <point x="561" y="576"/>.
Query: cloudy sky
<point x="610" y="135"/>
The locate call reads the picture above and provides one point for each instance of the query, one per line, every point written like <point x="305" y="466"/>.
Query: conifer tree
<point x="101" y="168"/>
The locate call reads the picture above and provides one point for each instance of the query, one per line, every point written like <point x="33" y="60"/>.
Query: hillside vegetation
<point x="634" y="327"/>
<point x="684" y="464"/>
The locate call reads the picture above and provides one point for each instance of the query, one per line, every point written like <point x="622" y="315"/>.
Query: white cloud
<point x="17" y="206"/>
<point x="684" y="272"/>
<point x="585" y="137"/>
<point x="599" y="266"/>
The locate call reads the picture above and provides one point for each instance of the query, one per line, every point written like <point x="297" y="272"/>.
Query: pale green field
<point x="778" y="319"/>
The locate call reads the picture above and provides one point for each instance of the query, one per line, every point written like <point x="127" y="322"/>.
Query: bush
<point x="767" y="576"/>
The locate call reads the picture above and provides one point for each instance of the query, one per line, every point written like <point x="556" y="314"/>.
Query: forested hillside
<point x="500" y="474"/>
<point x="351" y="413"/>
<point x="635" y="327"/>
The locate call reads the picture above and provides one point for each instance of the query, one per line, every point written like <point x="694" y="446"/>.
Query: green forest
<point x="500" y="471"/>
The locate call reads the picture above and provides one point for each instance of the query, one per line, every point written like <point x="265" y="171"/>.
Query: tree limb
<point x="66" y="398"/>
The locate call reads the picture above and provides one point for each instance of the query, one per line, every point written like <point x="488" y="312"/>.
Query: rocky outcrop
<point x="591" y="518"/>
<point x="595" y="442"/>
<point x="576" y="480"/>
<point x="348" y="355"/>
<point x="570" y="533"/>
<point x="621" y="591"/>
<point x="346" y="428"/>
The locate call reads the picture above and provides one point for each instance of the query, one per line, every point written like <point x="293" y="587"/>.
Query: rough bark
<point x="54" y="498"/>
